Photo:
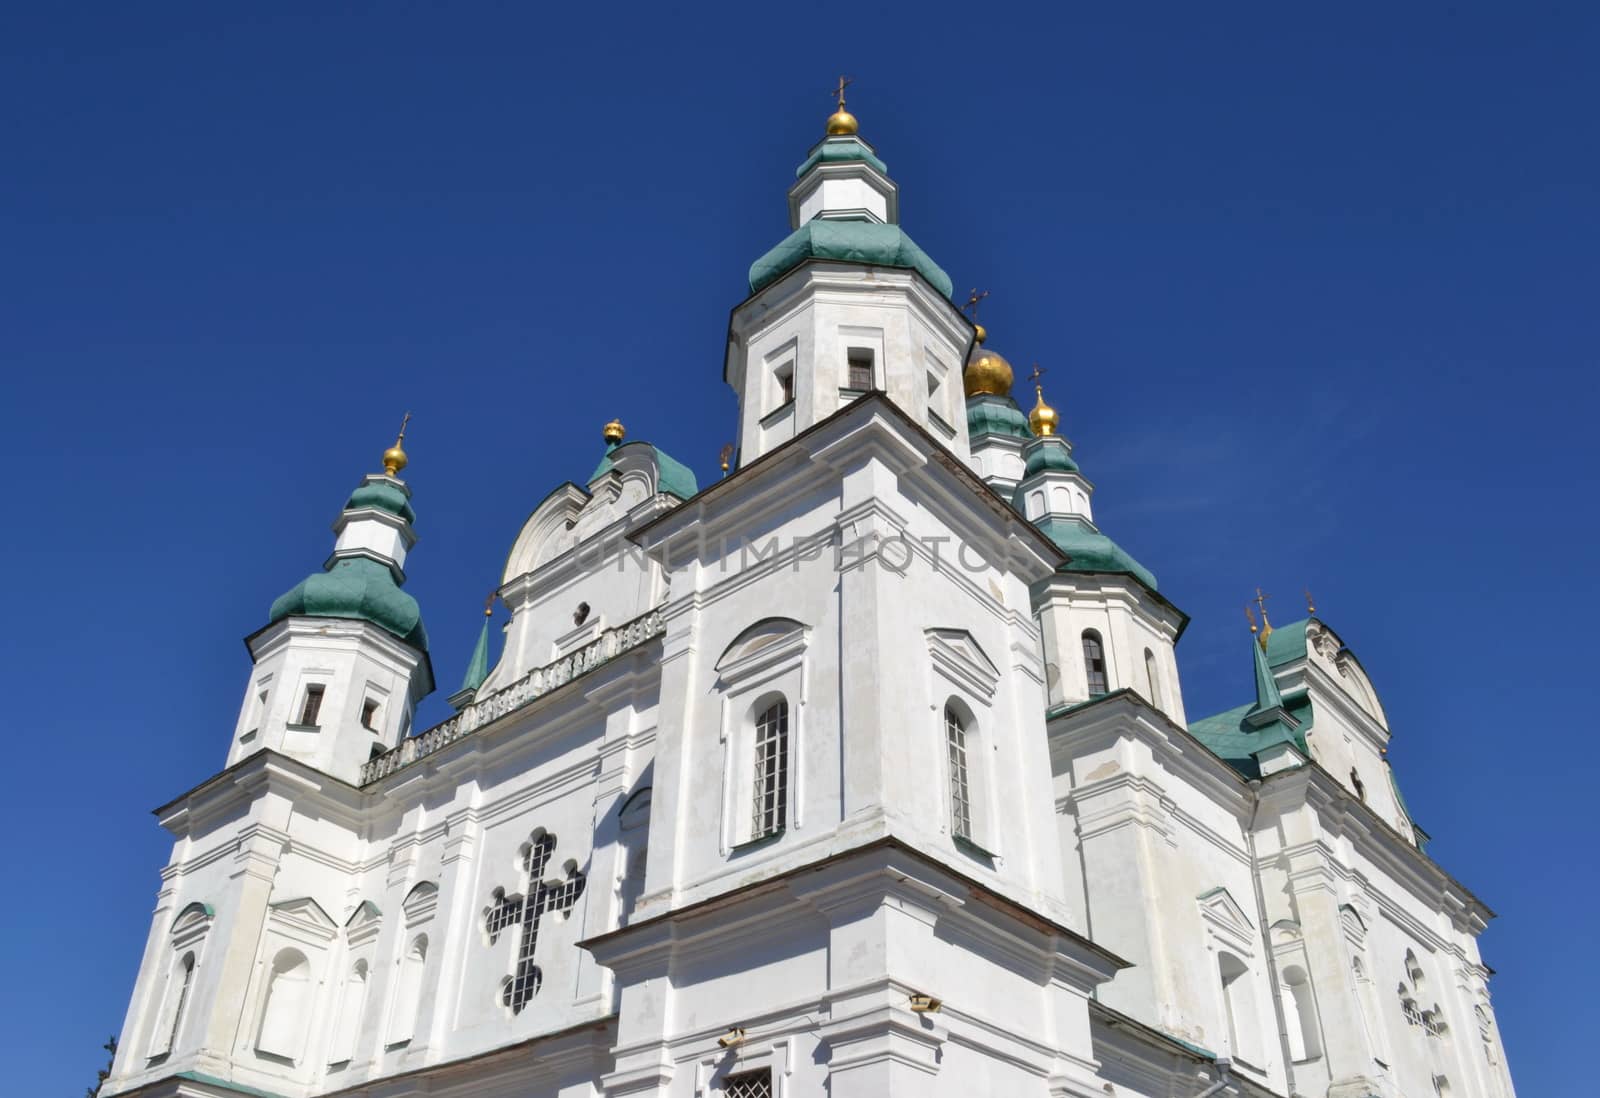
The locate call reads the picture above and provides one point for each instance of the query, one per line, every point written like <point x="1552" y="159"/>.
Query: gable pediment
<point x="303" y="914"/>
<point x="1226" y="918"/>
<point x="958" y="654"/>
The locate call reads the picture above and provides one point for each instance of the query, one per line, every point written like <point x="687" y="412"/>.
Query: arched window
<point x="1094" y="662"/>
<point x="955" y="739"/>
<point x="769" y="802"/>
<point x="352" y="1000"/>
<point x="165" y="1037"/>
<point x="283" y="1012"/>
<point x="1414" y="972"/>
<point x="1301" y="1014"/>
<point x="1485" y="1033"/>
<point x="408" y="992"/>
<point x="1441" y="1086"/>
<point x="1152" y="678"/>
<point x="1231" y="970"/>
<point x="1357" y="784"/>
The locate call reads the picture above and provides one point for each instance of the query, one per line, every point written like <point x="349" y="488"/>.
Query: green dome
<point x="357" y="588"/>
<point x="1090" y="551"/>
<point x="989" y="414"/>
<point x="839" y="150"/>
<point x="384" y="497"/>
<point x="1050" y="454"/>
<point x="847" y="242"/>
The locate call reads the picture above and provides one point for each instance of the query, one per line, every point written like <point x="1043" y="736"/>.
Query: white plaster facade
<point x="697" y="830"/>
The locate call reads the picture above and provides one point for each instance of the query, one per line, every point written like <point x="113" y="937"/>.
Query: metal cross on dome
<point x="974" y="299"/>
<point x="838" y="93"/>
<point x="528" y="909"/>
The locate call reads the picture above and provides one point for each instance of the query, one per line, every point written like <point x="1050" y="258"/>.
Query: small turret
<point x="343" y="660"/>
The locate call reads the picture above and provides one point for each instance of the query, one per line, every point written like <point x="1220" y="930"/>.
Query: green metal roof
<point x="866" y="242"/>
<point x="384" y="497"/>
<point x="478" y="666"/>
<point x="836" y="150"/>
<point x="991" y="414"/>
<point x="1051" y="453"/>
<point x="1089" y="550"/>
<point x="1239" y="735"/>
<point x="1236" y="743"/>
<point x="357" y="588"/>
<point x="672" y="476"/>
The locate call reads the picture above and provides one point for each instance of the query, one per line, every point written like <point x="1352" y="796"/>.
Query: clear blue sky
<point x="1315" y="284"/>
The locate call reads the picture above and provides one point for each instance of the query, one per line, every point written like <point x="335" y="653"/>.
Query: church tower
<point x="847" y="304"/>
<point x="343" y="659"/>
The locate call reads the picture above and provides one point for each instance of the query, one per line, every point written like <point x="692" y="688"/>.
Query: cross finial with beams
<point x="974" y="299"/>
<point x="488" y="604"/>
<point x="838" y="92"/>
<point x="1261" y="602"/>
<point x="1038" y="372"/>
<point x="405" y="419"/>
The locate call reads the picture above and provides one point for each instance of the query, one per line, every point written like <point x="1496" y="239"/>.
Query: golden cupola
<point x="1044" y="420"/>
<point x="987" y="371"/>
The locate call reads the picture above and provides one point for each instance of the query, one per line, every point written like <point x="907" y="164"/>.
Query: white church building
<point x="864" y="771"/>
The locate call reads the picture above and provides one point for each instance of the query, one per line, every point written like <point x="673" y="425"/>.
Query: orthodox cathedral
<point x="864" y="771"/>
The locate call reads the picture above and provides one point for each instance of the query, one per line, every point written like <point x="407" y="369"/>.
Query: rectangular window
<point x="369" y="715"/>
<point x="859" y="360"/>
<point x="313" y="705"/>
<point x="749" y="1084"/>
<point x="785" y="379"/>
<point x="772" y="771"/>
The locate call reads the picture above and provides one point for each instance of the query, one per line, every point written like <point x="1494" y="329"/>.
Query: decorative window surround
<point x="965" y="681"/>
<point x="764" y="664"/>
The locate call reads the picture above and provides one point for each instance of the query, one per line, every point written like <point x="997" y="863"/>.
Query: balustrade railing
<point x="535" y="684"/>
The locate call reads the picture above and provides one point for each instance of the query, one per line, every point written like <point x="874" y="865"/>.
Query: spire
<point x="1267" y="695"/>
<point x="1268" y="712"/>
<point x="478" y="666"/>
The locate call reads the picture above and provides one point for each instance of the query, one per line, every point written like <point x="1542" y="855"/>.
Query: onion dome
<point x="987" y="371"/>
<point x="1043" y="419"/>
<point x="841" y="123"/>
<point x="357" y="588"/>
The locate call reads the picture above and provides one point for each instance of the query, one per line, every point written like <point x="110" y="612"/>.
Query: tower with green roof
<point x="343" y="659"/>
<point x="846" y="304"/>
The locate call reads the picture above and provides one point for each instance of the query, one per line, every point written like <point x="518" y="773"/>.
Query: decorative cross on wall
<point x="528" y="909"/>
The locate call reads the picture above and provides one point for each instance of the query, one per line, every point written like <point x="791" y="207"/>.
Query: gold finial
<point x="614" y="432"/>
<point x="488" y="604"/>
<point x="841" y="123"/>
<point x="727" y="456"/>
<point x="974" y="299"/>
<point x="1311" y="603"/>
<point x="1266" y="623"/>
<point x="394" y="458"/>
<point x="1250" y="616"/>
<point x="1043" y="419"/>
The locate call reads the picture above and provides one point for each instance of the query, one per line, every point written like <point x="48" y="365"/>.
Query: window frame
<point x="1090" y="674"/>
